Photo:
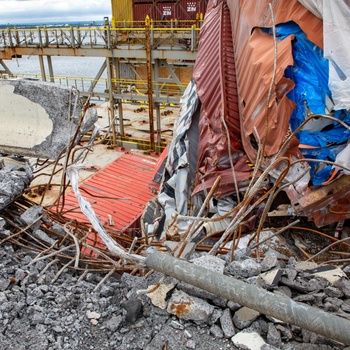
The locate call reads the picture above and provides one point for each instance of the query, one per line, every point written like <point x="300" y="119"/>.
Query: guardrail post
<point x="39" y="36"/>
<point x="193" y="37"/>
<point x="108" y="33"/>
<point x="17" y="37"/>
<point x="46" y="37"/>
<point x="152" y="35"/>
<point x="72" y="37"/>
<point x="42" y="68"/>
<point x="111" y="100"/>
<point x="79" y="37"/>
<point x="10" y="37"/>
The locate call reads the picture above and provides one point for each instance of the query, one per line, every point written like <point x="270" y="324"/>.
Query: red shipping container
<point x="165" y="11"/>
<point x="188" y="9"/>
<point x="152" y="2"/>
<point x="141" y="11"/>
<point x="182" y="10"/>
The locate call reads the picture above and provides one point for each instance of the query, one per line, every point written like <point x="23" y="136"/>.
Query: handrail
<point x="106" y="36"/>
<point x="83" y="83"/>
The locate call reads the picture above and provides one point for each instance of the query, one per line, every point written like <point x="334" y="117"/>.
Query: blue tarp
<point x="310" y="75"/>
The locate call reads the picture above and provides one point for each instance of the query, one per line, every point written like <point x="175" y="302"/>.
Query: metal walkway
<point x="155" y="45"/>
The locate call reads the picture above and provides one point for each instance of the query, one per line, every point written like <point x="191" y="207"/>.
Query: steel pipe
<point x="267" y="303"/>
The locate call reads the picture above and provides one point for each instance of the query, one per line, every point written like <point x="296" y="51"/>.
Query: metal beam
<point x="98" y="76"/>
<point x="49" y="63"/>
<point x="111" y="99"/>
<point x="6" y="69"/>
<point x="42" y="68"/>
<point x="138" y="52"/>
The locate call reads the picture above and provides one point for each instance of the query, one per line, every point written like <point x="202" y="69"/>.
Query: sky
<point x="44" y="11"/>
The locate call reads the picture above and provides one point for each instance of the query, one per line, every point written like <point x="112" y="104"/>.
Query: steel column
<point x="42" y="68"/>
<point x="149" y="80"/>
<point x="49" y="63"/>
<point x="111" y="100"/>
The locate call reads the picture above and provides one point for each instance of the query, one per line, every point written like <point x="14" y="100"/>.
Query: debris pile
<point x="258" y="209"/>
<point x="15" y="176"/>
<point x="43" y="309"/>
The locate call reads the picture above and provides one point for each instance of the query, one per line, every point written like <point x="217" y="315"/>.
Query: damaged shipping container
<point x="263" y="122"/>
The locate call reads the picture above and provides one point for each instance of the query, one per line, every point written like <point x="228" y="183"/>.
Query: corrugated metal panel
<point x="254" y="57"/>
<point x="215" y="77"/>
<point x="121" y="11"/>
<point x="188" y="9"/>
<point x="165" y="11"/>
<point x="141" y="11"/>
<point x="182" y="10"/>
<point x="130" y="176"/>
<point x="152" y="2"/>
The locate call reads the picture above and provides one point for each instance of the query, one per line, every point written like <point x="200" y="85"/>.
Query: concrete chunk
<point x="227" y="324"/>
<point x="159" y="296"/>
<point x="244" y="317"/>
<point x="210" y="262"/>
<point x="35" y="118"/>
<point x="247" y="340"/>
<point x="191" y="308"/>
<point x="14" y="179"/>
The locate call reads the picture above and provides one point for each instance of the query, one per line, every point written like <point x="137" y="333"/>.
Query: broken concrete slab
<point x="159" y="296"/>
<point x="191" y="308"/>
<point x="245" y="268"/>
<point x="270" y="261"/>
<point x="227" y="324"/>
<point x="244" y="317"/>
<point x="210" y="262"/>
<point x="36" y="117"/>
<point x="274" y="336"/>
<point x="31" y="216"/>
<point x="328" y="272"/>
<point x="15" y="177"/>
<point x="270" y="278"/>
<point x="248" y="340"/>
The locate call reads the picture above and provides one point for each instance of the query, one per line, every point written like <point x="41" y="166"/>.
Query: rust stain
<point x="180" y="310"/>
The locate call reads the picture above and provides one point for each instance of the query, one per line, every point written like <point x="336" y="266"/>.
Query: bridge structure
<point x="153" y="45"/>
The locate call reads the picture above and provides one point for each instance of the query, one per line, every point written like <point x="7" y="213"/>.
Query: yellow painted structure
<point x="121" y="11"/>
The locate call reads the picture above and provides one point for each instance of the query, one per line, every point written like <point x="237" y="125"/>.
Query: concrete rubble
<point x="15" y="176"/>
<point x="69" y="310"/>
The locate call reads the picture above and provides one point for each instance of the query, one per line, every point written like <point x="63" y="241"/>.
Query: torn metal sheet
<point x="254" y="57"/>
<point x="220" y="145"/>
<point x="181" y="161"/>
<point x="37" y="118"/>
<point x="327" y="204"/>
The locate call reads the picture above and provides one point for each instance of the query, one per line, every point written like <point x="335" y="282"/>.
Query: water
<point x="62" y="66"/>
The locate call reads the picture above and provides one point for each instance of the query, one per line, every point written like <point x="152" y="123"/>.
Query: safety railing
<point x="169" y="23"/>
<point x="83" y="84"/>
<point x="167" y="37"/>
